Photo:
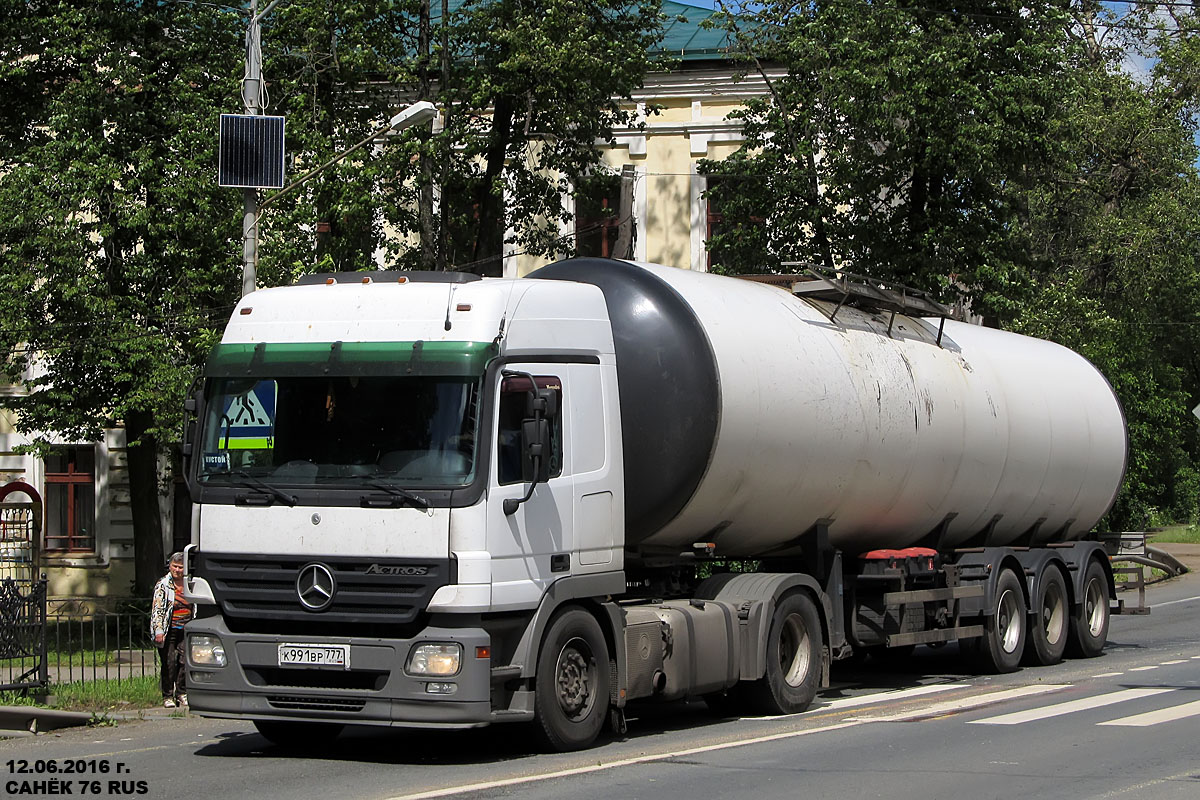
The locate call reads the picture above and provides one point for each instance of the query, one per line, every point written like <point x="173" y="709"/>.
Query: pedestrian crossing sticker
<point x="248" y="422"/>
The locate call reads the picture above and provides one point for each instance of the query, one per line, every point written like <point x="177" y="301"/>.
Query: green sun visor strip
<point x="296" y="359"/>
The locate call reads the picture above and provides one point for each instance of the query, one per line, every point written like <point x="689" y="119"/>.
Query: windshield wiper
<point x="252" y="482"/>
<point x="396" y="492"/>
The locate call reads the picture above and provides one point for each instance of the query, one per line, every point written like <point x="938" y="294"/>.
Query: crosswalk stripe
<point x="1155" y="717"/>
<point x="884" y="697"/>
<point x="1069" y="707"/>
<point x="965" y="704"/>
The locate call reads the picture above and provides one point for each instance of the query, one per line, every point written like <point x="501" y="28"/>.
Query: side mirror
<point x="535" y="450"/>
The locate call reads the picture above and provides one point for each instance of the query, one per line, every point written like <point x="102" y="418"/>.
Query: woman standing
<point x="167" y="616"/>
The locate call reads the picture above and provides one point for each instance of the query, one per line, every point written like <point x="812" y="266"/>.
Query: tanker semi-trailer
<point x="431" y="500"/>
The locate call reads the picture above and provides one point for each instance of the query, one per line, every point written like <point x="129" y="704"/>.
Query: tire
<point x="298" y="735"/>
<point x="1003" y="642"/>
<point x="1051" y="618"/>
<point x="793" y="659"/>
<point x="1089" y="618"/>
<point x="571" y="688"/>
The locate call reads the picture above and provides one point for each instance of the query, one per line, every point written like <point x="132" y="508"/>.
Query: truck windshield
<point x="351" y="430"/>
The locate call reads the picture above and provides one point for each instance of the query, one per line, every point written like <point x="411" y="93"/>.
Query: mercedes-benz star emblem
<point x="316" y="586"/>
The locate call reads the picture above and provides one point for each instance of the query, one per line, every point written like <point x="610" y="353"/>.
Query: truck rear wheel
<point x="793" y="659"/>
<point x="571" y="688"/>
<point x="1089" y="620"/>
<point x="1004" y="632"/>
<point x="1047" y="640"/>
<point x="298" y="734"/>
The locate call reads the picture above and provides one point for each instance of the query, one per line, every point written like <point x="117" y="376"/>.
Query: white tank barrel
<point x="750" y="416"/>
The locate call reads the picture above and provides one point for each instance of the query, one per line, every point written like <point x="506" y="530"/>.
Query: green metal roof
<point x="684" y="38"/>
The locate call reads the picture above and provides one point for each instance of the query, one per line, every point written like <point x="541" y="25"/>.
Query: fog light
<point x="441" y="688"/>
<point x="196" y="676"/>
<point x="435" y="659"/>
<point x="206" y="651"/>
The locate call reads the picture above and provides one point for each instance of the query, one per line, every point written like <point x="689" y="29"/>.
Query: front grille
<point x="284" y="703"/>
<point x="254" y="589"/>
<point x="369" y="680"/>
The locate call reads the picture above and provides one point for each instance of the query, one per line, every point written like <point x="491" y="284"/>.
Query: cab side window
<point x="513" y="402"/>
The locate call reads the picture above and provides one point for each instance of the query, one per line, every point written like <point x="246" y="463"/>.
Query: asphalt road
<point x="1119" y="726"/>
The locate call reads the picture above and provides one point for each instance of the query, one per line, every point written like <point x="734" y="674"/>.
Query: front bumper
<point x="374" y="691"/>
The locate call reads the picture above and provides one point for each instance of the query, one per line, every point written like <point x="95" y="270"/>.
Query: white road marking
<point x="1176" y="602"/>
<point x="1176" y="661"/>
<point x="871" y="699"/>
<point x="565" y="773"/>
<point x="1071" y="706"/>
<point x="1143" y="669"/>
<point x="1155" y="717"/>
<point x="952" y="706"/>
<point x="1108" y="674"/>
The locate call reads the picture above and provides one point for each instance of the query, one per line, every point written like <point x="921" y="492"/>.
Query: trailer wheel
<point x="571" y="688"/>
<point x="1004" y="632"/>
<point x="298" y="734"/>
<point x="1047" y="640"/>
<point x="1089" y="619"/>
<point x="793" y="659"/>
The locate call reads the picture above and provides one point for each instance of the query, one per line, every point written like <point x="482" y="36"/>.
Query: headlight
<point x="206" y="651"/>
<point x="435" y="659"/>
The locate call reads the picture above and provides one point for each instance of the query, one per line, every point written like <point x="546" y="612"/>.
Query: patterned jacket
<point x="164" y="604"/>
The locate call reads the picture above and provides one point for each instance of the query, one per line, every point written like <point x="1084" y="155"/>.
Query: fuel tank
<point x="750" y="416"/>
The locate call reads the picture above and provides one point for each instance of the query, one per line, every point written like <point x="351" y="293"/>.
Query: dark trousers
<point x="173" y="663"/>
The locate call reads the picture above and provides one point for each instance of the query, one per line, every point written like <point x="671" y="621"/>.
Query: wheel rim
<point x="794" y="650"/>
<point x="575" y="679"/>
<point x="1054" y="613"/>
<point x="1095" y="607"/>
<point x="1008" y="620"/>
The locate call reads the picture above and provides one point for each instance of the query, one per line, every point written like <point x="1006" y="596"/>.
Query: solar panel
<point x="251" y="151"/>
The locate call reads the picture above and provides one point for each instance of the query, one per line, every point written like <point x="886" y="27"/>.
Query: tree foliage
<point x="121" y="257"/>
<point x="1012" y="153"/>
<point x="114" y="247"/>
<point x="899" y="140"/>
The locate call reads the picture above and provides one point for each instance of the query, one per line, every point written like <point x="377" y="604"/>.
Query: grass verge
<point x="127" y="694"/>
<point x="1177" y="534"/>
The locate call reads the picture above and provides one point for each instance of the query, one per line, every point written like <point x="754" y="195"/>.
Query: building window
<point x="71" y="500"/>
<point x="597" y="201"/>
<point x="714" y="219"/>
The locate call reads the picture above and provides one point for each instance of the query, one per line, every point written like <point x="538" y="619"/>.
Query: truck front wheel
<point x="571" y="688"/>
<point x="793" y="659"/>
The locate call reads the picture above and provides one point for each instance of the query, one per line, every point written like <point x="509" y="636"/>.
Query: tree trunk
<point x="489" y="238"/>
<point x="149" y="561"/>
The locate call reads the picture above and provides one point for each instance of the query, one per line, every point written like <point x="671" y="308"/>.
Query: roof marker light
<point x="366" y="280"/>
<point x="402" y="279"/>
<point x="463" y="307"/>
<point x="330" y="281"/>
<point x="245" y="310"/>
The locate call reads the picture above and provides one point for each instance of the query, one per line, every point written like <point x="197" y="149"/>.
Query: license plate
<point x="314" y="655"/>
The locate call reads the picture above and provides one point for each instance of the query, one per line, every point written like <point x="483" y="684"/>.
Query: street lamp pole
<point x="252" y="96"/>
<point x="415" y="114"/>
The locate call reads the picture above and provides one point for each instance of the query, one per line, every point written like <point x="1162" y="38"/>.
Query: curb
<point x="29" y="719"/>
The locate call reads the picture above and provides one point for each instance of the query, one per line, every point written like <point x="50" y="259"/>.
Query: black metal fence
<point x="23" y="634"/>
<point x="38" y="649"/>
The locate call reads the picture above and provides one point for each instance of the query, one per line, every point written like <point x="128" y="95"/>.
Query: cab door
<point x="532" y="547"/>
